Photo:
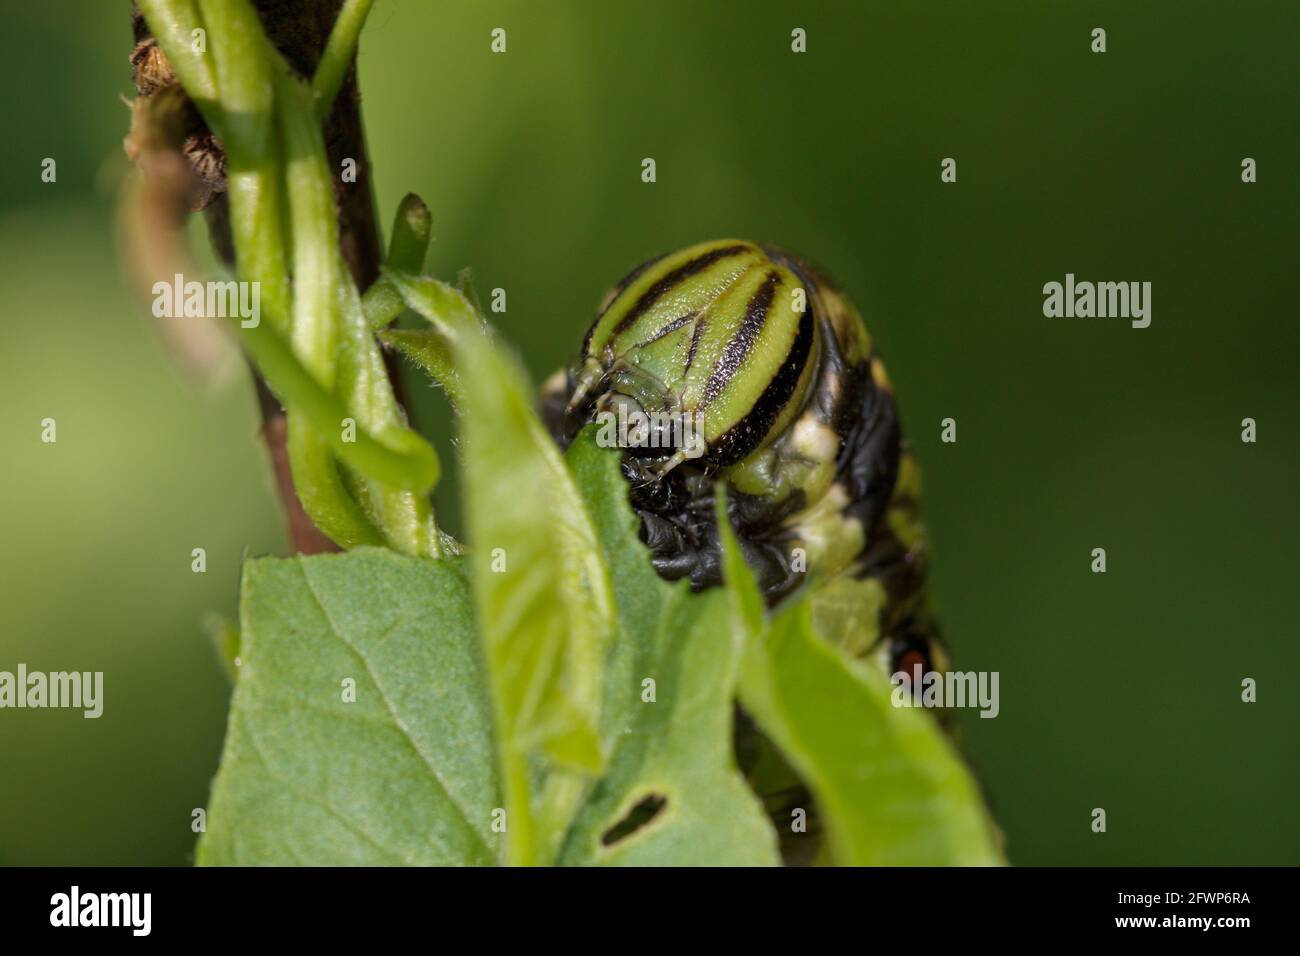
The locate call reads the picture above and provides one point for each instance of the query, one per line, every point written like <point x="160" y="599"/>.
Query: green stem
<point x="520" y="849"/>
<point x="331" y="336"/>
<point x="407" y="518"/>
<point x="402" y="461"/>
<point x="316" y="351"/>
<point x="172" y="23"/>
<point x="321" y="488"/>
<point x="241" y="55"/>
<point x="340" y="48"/>
<point x="258" y="230"/>
<point x="316" y="267"/>
<point x="242" y="120"/>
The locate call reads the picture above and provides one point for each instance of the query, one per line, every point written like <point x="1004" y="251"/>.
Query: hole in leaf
<point x="645" y="810"/>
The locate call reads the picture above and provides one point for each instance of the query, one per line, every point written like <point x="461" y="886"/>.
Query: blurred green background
<point x="1119" y="691"/>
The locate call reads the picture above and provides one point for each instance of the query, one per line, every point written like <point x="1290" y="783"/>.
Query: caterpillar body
<point x="791" y="409"/>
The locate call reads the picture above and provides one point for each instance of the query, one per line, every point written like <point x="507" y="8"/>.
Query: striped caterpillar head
<point x="707" y="353"/>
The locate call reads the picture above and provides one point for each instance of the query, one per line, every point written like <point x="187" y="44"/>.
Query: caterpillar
<point x="771" y="366"/>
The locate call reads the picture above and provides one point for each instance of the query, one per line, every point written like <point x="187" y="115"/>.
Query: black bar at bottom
<point x="913" y="905"/>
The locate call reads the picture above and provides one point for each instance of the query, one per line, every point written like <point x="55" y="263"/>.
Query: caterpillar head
<point x="706" y="353"/>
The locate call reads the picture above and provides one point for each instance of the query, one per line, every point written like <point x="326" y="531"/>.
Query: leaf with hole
<point x="671" y="793"/>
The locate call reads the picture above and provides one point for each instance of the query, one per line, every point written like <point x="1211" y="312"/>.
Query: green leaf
<point x="542" y="595"/>
<point x="432" y="353"/>
<point x="407" y="245"/>
<point x="405" y="773"/>
<point x="224" y="635"/>
<point x="595" y="706"/>
<point x="678" y="747"/>
<point x="886" y="780"/>
<point x="444" y="306"/>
